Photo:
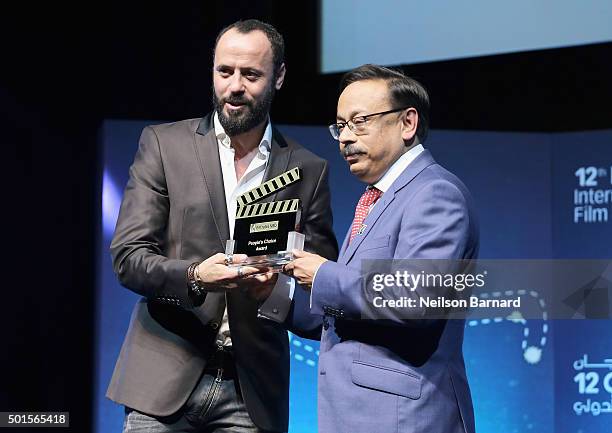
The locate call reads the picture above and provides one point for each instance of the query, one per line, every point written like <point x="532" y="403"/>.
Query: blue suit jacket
<point x="386" y="376"/>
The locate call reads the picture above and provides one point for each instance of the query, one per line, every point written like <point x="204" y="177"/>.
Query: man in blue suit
<point x="395" y="374"/>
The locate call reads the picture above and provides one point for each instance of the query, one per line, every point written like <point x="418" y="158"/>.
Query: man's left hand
<point x="259" y="286"/>
<point x="304" y="267"/>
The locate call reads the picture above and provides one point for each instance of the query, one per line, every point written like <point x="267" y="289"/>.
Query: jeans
<point x="215" y="406"/>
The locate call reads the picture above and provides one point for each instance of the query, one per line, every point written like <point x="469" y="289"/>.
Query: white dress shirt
<point x="396" y="169"/>
<point x="277" y="306"/>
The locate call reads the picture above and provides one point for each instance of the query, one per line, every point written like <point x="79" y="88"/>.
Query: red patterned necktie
<point x="368" y="198"/>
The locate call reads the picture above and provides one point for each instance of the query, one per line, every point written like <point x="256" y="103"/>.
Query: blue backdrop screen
<point x="537" y="197"/>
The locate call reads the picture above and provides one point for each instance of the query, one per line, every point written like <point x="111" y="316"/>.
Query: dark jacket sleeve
<point x="139" y="244"/>
<point x="320" y="239"/>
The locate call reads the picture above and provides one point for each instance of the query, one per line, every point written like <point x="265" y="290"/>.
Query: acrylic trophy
<point x="267" y="232"/>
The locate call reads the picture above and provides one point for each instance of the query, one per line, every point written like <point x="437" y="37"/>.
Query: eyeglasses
<point x="357" y="124"/>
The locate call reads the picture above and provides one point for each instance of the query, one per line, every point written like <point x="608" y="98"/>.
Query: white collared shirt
<point x="397" y="168"/>
<point x="252" y="177"/>
<point x="276" y="307"/>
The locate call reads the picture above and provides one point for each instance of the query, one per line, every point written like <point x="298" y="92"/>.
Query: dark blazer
<point x="174" y="213"/>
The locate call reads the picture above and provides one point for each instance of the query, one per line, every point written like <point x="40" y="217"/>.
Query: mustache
<point x="352" y="149"/>
<point x="236" y="100"/>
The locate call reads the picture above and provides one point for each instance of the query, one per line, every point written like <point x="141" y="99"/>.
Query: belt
<point x="222" y="359"/>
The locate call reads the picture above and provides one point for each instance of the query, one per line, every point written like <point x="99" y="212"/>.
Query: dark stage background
<point x="66" y="68"/>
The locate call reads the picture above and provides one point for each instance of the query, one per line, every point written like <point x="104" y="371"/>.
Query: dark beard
<point x="253" y="113"/>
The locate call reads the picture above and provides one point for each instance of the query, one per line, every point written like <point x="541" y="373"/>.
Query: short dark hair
<point x="276" y="39"/>
<point x="404" y="91"/>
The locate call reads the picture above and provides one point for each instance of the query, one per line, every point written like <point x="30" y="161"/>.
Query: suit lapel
<point x="414" y="168"/>
<point x="345" y="243"/>
<point x="279" y="159"/>
<point x="207" y="151"/>
<point x="384" y="201"/>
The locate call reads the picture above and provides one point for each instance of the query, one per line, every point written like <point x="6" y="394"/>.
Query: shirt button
<point x="275" y="310"/>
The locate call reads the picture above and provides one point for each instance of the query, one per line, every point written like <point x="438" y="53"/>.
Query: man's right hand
<point x="215" y="276"/>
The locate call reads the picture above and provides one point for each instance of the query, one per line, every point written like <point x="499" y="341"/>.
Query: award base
<point x="269" y="262"/>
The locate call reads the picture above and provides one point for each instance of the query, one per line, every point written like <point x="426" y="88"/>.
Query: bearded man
<point x="207" y="348"/>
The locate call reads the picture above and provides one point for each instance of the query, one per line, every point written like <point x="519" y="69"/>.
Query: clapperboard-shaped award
<point x="267" y="232"/>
